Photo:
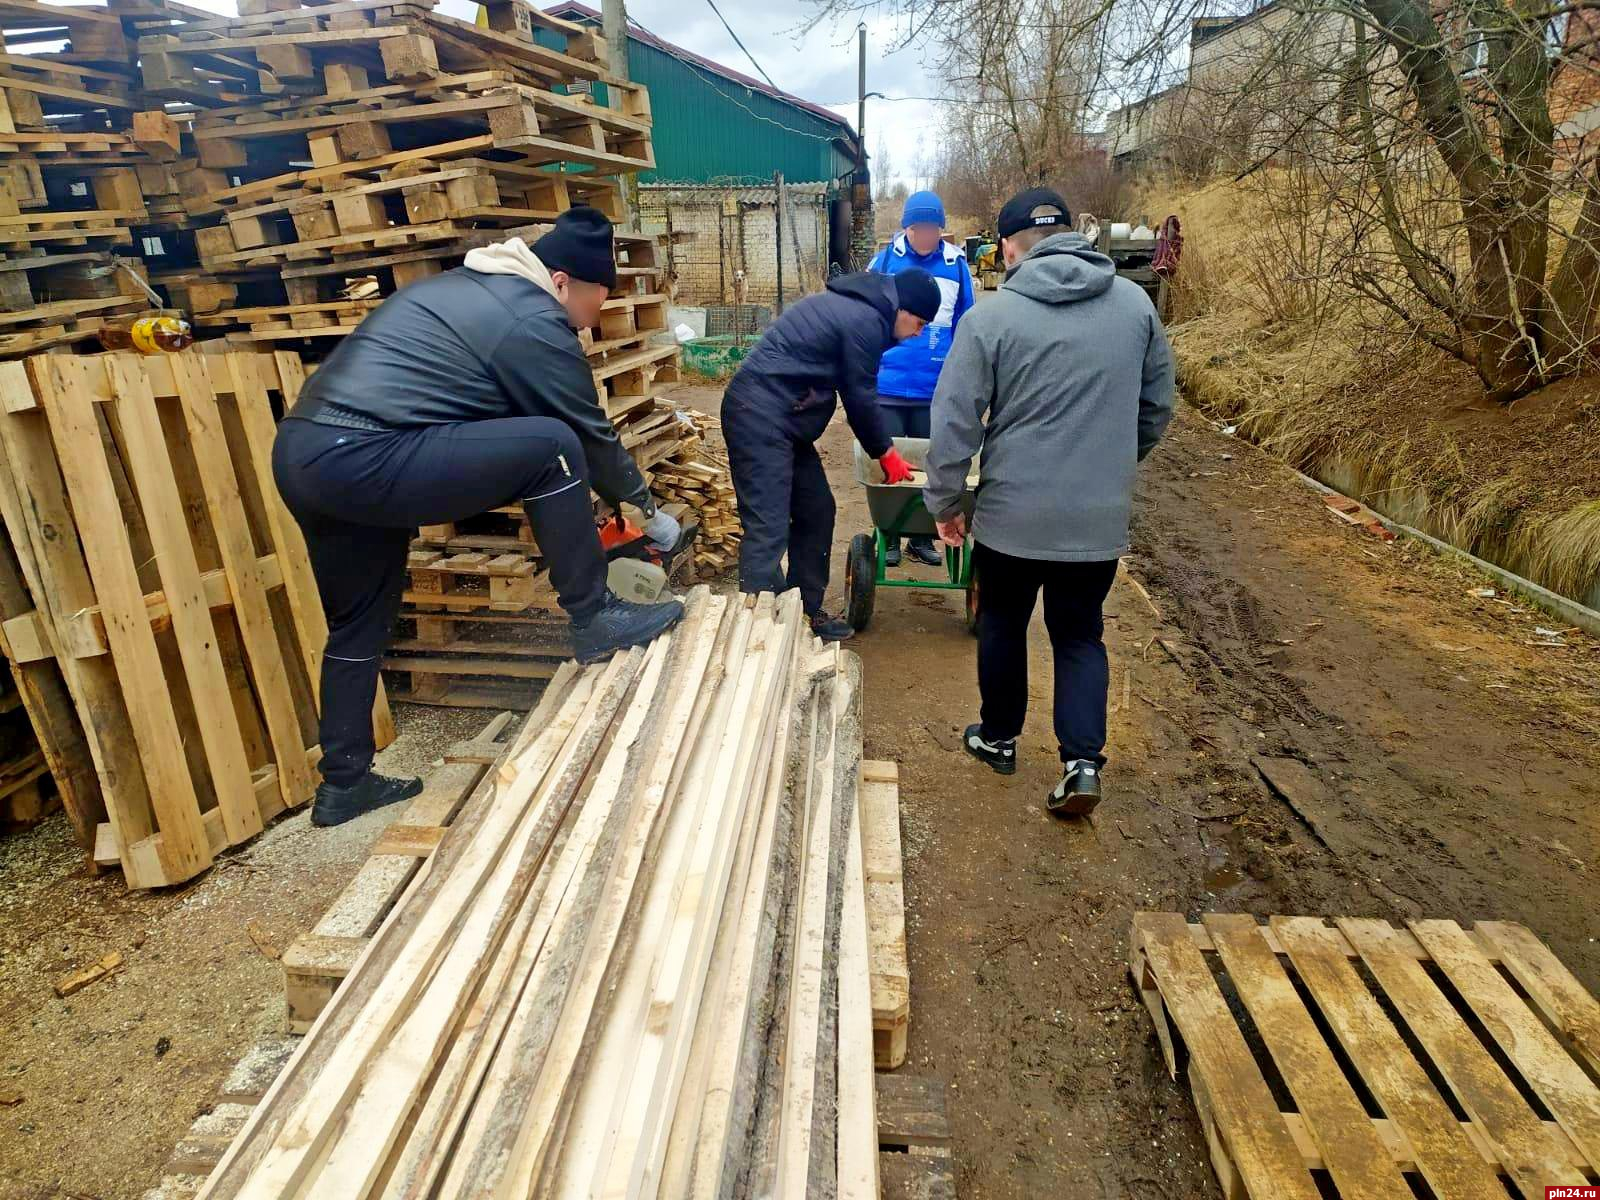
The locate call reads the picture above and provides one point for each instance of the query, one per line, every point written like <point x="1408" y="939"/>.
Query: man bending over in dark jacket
<point x="461" y="393"/>
<point x="1059" y="386"/>
<point x="782" y="399"/>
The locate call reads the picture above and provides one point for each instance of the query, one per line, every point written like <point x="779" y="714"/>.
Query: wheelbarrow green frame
<point x="957" y="563"/>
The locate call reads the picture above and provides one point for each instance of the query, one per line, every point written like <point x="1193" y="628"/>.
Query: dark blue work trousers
<point x="785" y="503"/>
<point x="358" y="496"/>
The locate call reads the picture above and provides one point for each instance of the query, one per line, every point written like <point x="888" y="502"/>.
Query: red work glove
<point x="895" y="468"/>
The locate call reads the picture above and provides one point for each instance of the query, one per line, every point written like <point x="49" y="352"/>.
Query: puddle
<point x="1221" y="875"/>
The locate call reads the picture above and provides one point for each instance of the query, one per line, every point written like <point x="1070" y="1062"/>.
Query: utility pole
<point x="614" y="23"/>
<point x="861" y="94"/>
<point x="861" y="220"/>
<point x="777" y="213"/>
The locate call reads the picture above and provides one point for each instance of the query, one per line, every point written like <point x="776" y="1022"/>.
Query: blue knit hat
<point x="923" y="208"/>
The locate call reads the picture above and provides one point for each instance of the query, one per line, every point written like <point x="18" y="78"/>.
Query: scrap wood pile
<point x="697" y="477"/>
<point x="156" y="603"/>
<point x="636" y="964"/>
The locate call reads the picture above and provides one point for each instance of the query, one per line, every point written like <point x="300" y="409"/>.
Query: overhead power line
<point x="760" y="70"/>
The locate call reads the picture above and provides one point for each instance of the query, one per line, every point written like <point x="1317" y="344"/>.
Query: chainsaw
<point x="638" y="570"/>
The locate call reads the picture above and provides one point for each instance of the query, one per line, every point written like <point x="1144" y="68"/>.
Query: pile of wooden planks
<point x="1430" y="1059"/>
<point x="636" y="963"/>
<point x="170" y="590"/>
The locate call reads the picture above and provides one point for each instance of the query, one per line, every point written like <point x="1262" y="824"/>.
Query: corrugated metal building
<point x="719" y="135"/>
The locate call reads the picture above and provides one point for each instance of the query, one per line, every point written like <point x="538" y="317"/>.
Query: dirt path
<point x="1440" y="765"/>
<point x="1448" y="767"/>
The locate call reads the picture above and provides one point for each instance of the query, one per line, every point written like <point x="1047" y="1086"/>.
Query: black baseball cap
<point x="1014" y="216"/>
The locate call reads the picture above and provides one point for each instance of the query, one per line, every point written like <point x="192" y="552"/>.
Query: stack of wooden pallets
<point x="171" y="591"/>
<point x="345" y="150"/>
<point x="636" y="963"/>
<point x="73" y="178"/>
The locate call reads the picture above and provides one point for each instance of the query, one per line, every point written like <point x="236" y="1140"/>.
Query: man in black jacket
<point x="461" y="393"/>
<point x="779" y="403"/>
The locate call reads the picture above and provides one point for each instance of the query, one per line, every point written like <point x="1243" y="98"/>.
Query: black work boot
<point x="620" y="624"/>
<point x="335" y="805"/>
<point x="891" y="554"/>
<point x="1078" y="792"/>
<point x="831" y="628"/>
<point x="1000" y="756"/>
<point x="925" y="552"/>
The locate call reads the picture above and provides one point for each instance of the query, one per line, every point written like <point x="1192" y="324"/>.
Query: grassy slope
<point x="1392" y="420"/>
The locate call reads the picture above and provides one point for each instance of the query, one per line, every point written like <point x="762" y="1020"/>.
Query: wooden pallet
<point x="1366" y="1053"/>
<point x="339" y="49"/>
<point x="317" y="962"/>
<point x="173" y="590"/>
<point x="915" y="1161"/>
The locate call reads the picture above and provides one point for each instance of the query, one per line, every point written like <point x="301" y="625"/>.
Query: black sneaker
<point x="925" y="552"/>
<point x="620" y="624"/>
<point x="1078" y="792"/>
<point x="891" y="556"/>
<point x="335" y="805"/>
<point x="1001" y="756"/>
<point x="830" y="628"/>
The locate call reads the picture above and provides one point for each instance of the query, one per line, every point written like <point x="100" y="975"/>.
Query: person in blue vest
<point x="909" y="372"/>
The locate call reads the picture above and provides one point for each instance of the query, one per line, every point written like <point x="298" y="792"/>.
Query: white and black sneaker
<point x="1078" y="792"/>
<point x="1001" y="756"/>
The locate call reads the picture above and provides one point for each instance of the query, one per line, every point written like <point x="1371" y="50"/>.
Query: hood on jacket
<point x="1062" y="269"/>
<point x="876" y="290"/>
<point x="511" y="257"/>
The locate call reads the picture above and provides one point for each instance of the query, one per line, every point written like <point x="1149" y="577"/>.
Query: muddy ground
<point x="1445" y="766"/>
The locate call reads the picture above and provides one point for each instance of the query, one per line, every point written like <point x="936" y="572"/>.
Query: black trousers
<point x="785" y="503"/>
<point x="904" y="420"/>
<point x="358" y="497"/>
<point x="1074" y="593"/>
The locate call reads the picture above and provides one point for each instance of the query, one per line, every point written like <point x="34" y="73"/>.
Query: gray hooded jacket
<point x="1059" y="385"/>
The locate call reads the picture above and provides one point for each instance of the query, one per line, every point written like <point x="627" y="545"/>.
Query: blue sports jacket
<point x="910" y="371"/>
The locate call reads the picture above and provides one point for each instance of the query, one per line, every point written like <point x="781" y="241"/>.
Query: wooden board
<point x="1485" y="1043"/>
<point x="886" y="912"/>
<point x="316" y="963"/>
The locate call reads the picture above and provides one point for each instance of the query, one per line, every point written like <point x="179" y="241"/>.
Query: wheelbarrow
<point x="897" y="512"/>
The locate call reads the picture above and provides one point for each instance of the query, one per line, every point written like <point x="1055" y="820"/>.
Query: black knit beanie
<point x="580" y="245"/>
<point x="918" y="293"/>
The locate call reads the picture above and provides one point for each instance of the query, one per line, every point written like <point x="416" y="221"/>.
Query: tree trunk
<point x="1575" y="290"/>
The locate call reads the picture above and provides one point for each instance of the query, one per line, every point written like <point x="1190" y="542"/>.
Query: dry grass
<point x="1387" y="418"/>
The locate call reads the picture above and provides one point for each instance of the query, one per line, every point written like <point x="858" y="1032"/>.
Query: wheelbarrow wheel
<point x="861" y="573"/>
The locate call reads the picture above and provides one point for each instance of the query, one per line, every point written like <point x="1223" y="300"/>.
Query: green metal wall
<point x="709" y="129"/>
<point x="712" y="130"/>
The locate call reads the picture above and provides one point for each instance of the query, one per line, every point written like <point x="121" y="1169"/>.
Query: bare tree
<point x="1425" y="134"/>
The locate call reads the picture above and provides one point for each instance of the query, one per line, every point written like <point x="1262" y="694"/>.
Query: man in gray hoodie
<point x="1059" y="385"/>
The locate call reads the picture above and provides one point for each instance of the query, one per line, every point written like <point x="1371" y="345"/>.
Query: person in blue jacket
<point x="909" y="372"/>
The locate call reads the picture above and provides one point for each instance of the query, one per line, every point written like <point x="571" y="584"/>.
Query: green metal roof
<point x="714" y="125"/>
